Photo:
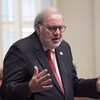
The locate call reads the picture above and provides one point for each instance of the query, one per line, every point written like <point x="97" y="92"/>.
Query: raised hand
<point x="40" y="81"/>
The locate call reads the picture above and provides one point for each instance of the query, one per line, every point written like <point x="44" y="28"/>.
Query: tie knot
<point x="48" y="53"/>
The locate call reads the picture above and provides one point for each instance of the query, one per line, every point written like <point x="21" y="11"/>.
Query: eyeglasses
<point x="53" y="28"/>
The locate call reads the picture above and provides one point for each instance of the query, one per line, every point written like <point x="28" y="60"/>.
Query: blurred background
<point x="81" y="17"/>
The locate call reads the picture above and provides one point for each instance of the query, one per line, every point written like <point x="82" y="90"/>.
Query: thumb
<point x="35" y="71"/>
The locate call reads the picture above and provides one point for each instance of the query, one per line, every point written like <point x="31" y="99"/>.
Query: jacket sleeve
<point x="84" y="87"/>
<point x="14" y="86"/>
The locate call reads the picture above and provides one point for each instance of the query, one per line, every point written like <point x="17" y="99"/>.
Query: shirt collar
<point x="53" y="50"/>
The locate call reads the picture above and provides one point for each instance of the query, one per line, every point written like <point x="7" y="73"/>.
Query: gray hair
<point x="39" y="19"/>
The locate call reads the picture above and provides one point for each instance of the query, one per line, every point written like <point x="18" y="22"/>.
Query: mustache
<point x="55" y="38"/>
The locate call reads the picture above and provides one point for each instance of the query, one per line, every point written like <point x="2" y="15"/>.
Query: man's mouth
<point x="55" y="39"/>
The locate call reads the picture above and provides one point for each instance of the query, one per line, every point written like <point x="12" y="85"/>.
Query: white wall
<point x="82" y="19"/>
<point x="97" y="35"/>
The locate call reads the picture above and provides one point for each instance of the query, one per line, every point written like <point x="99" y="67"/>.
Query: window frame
<point x="18" y="24"/>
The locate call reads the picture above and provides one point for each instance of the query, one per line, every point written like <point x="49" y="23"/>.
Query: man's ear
<point x="37" y="28"/>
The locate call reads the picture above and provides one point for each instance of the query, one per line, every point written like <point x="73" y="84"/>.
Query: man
<point x="28" y="73"/>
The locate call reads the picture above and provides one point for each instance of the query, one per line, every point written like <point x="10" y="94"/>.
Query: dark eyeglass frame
<point x="53" y="28"/>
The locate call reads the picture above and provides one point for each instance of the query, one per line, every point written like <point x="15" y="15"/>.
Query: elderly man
<point x="40" y="66"/>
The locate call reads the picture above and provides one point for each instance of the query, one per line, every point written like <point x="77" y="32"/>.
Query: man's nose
<point x="57" y="31"/>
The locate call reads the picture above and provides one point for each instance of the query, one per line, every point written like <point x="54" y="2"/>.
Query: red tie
<point x="48" y="53"/>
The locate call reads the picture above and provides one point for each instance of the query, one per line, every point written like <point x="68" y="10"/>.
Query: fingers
<point x="35" y="71"/>
<point x="46" y="87"/>
<point x="45" y="80"/>
<point x="42" y="73"/>
<point x="40" y="80"/>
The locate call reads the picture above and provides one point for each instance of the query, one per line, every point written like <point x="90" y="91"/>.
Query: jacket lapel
<point x="63" y="68"/>
<point x="45" y="64"/>
<point x="43" y="61"/>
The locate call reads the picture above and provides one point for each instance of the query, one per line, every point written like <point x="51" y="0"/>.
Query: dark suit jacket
<point x="19" y="65"/>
